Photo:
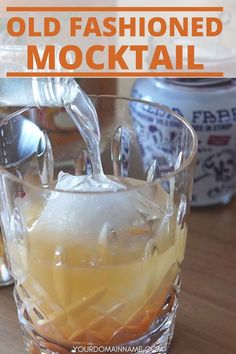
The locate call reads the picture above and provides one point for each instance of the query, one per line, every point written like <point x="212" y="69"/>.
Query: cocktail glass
<point x="98" y="271"/>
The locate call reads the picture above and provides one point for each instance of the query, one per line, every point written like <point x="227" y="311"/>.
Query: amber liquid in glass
<point x="86" y="292"/>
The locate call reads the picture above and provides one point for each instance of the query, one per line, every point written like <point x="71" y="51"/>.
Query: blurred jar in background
<point x="210" y="105"/>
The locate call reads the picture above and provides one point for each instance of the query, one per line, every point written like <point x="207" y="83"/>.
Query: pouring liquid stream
<point x="85" y="118"/>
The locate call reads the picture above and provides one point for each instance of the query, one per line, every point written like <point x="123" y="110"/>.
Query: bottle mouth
<point x="53" y="92"/>
<point x="191" y="82"/>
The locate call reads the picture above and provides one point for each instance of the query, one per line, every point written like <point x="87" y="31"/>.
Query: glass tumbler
<point x="96" y="271"/>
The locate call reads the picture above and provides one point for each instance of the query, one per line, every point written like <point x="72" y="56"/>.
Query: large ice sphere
<point x="102" y="209"/>
<point x="85" y="204"/>
<point x="96" y="218"/>
<point x="93" y="183"/>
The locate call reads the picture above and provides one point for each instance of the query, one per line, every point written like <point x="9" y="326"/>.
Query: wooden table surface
<point x="206" y="322"/>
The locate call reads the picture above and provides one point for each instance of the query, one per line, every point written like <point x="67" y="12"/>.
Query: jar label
<point x="215" y="124"/>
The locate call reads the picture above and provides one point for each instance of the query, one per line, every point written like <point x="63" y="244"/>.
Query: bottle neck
<point x="51" y="92"/>
<point x="54" y="92"/>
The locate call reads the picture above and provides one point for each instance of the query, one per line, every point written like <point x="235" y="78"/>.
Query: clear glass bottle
<point x="51" y="95"/>
<point x="50" y="92"/>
